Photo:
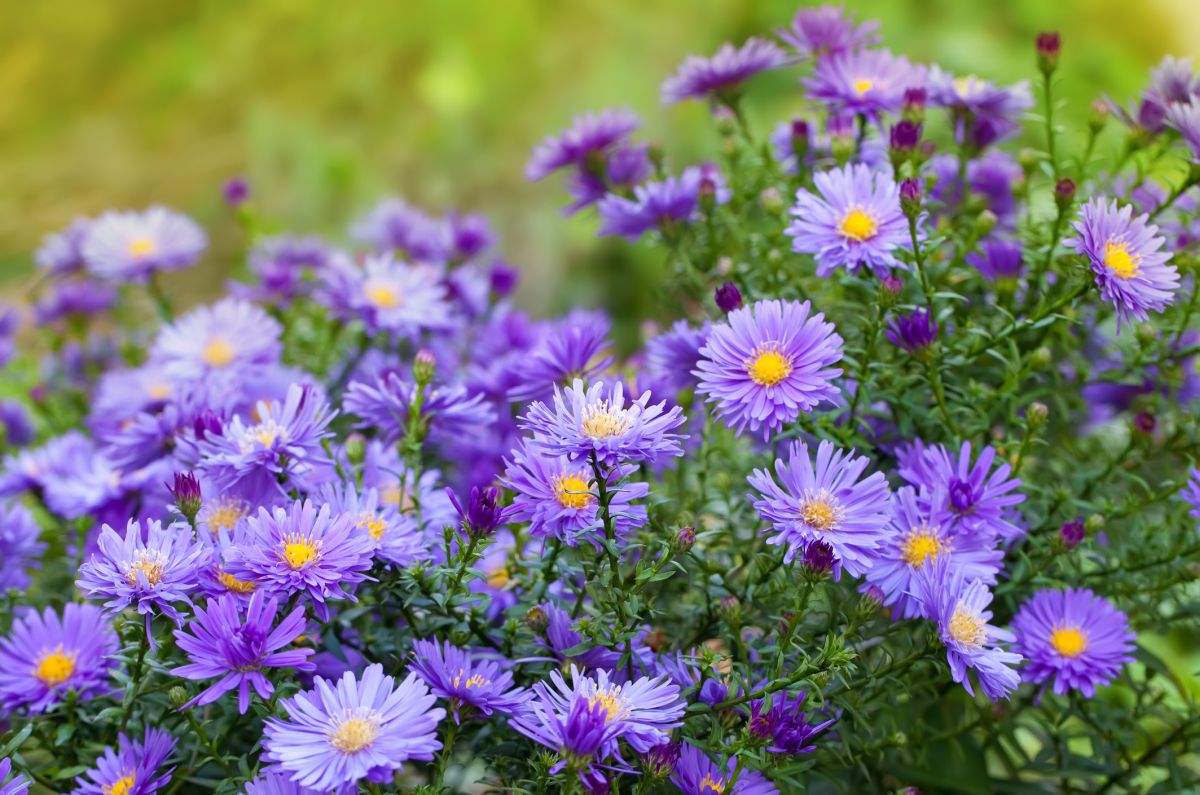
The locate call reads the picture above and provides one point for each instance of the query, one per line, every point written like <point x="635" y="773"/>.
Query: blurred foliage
<point x="326" y="106"/>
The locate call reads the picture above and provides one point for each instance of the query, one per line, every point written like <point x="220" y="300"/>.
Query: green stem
<point x="136" y="685"/>
<point x="161" y="302"/>
<point x="1050" y="148"/>
<point x="208" y="744"/>
<point x="452" y="729"/>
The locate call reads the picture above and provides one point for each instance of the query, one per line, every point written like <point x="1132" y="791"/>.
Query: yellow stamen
<point x="381" y="294"/>
<point x="922" y="546"/>
<point x="159" y="391"/>
<point x="355" y="733"/>
<point x="225" y="514"/>
<point x="603" y="421"/>
<point x="122" y="786"/>
<point x="474" y="680"/>
<point x="217" y="353"/>
<point x="55" y="667"/>
<point x="821" y="511"/>
<point x="498" y="578"/>
<point x="858" y="224"/>
<point x="571" y="491"/>
<point x="769" y="367"/>
<point x="149" y="563"/>
<point x="1118" y="259"/>
<point x="235" y="585"/>
<point x="966" y="628"/>
<point x="863" y="85"/>
<point x="266" y="433"/>
<point x="141" y="247"/>
<point x="708" y="784"/>
<point x="300" y="550"/>
<point x="1069" y="641"/>
<point x="374" y="523"/>
<point x="611" y="701"/>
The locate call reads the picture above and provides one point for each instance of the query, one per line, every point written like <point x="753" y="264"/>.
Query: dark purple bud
<point x="800" y="138"/>
<point x="760" y="724"/>
<point x="875" y="594"/>
<point x="483" y="512"/>
<point x="914" y="332"/>
<point x="1072" y="533"/>
<point x="1144" y="422"/>
<point x="503" y="278"/>
<point x="913" y="107"/>
<point x="1064" y="192"/>
<point x="728" y="297"/>
<point x="962" y="496"/>
<point x="708" y="194"/>
<point x="818" y="557"/>
<point x="186" y="492"/>
<point x="236" y="191"/>
<point x="472" y="234"/>
<point x="905" y="135"/>
<point x="893" y="284"/>
<point x="39" y="393"/>
<point x="1049" y="45"/>
<point x="685" y="537"/>
<point x="910" y="199"/>
<point x="659" y="761"/>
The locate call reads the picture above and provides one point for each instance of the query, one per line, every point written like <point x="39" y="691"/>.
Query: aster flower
<point x="20" y="547"/>
<point x="575" y="347"/>
<point x="222" y="643"/>
<point x="587" y="135"/>
<point x="1075" y="637"/>
<point x="979" y="498"/>
<point x="130" y="246"/>
<point x="767" y="363"/>
<point x="616" y="171"/>
<point x="61" y="253"/>
<point x="273" y="783"/>
<point x="152" y="575"/>
<point x="341" y="732"/>
<point x="561" y="636"/>
<point x="787" y="723"/>
<point x="387" y="295"/>
<point x="45" y="657"/>
<point x="133" y="769"/>
<point x="455" y="675"/>
<point x="723" y="73"/>
<point x="855" y="220"/>
<point x="393" y="225"/>
<point x="869" y="82"/>
<point x="1191" y="494"/>
<point x="999" y="260"/>
<point x="285" y="267"/>
<point x="687" y="671"/>
<point x="980" y="102"/>
<point x="598" y="422"/>
<point x="674" y="355"/>
<point x="394" y="537"/>
<point x="16" y="426"/>
<point x="828" y="30"/>
<point x="578" y="734"/>
<point x="231" y="335"/>
<point x="914" y="332"/>
<point x="695" y="774"/>
<point x="1185" y="119"/>
<point x="824" y="502"/>
<point x="660" y="204"/>
<point x="959" y="608"/>
<point x="19" y="785"/>
<point x="383" y="406"/>
<point x="921" y="532"/>
<point x="558" y="497"/>
<point x="74" y="298"/>
<point x="1130" y="268"/>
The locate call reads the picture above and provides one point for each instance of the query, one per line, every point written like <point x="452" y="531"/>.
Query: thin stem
<point x="138" y="668"/>
<point x="161" y="302"/>
<point x="207" y="742"/>
<point x="939" y="393"/>
<point x="1049" y="99"/>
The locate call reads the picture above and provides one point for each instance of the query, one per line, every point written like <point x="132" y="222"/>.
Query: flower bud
<point x="890" y="288"/>
<point x="503" y="278"/>
<point x="800" y="139"/>
<point x="1095" y="523"/>
<point x="356" y="448"/>
<point x="903" y="138"/>
<point x="1072" y="533"/>
<point x="728" y="297"/>
<point x="482" y="514"/>
<point x="1048" y="47"/>
<point x="1041" y="358"/>
<point x="985" y="222"/>
<point x="536" y="619"/>
<point x="1146" y="333"/>
<point x="1064" y="193"/>
<point x="186" y="492"/>
<point x="708" y="194"/>
<point x="659" y="761"/>
<point x="685" y="537"/>
<point x="178" y="696"/>
<point x="424" y="367"/>
<point x="1144" y="422"/>
<point x="236" y="192"/>
<point x="913" y="106"/>
<point x="1037" y="414"/>
<point x="771" y="199"/>
<point x="1098" y="116"/>
<point x="910" y="198"/>
<point x="818" y="557"/>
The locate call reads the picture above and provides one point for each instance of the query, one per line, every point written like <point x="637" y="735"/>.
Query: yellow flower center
<point x="159" y="391"/>
<point x="300" y="550"/>
<point x="922" y="546"/>
<point x="142" y="247"/>
<point x="266" y="433"/>
<point x="355" y="733"/>
<point x="1069" y="641"/>
<point x="498" y="578"/>
<point x="55" y="667"/>
<point x="707" y="784"/>
<point x="863" y="85"/>
<point x="474" y="680"/>
<point x="122" y="786"/>
<point x="235" y="585"/>
<point x="602" y="421"/>
<point x="381" y="294"/>
<point x="858" y="224"/>
<point x="821" y="511"/>
<point x="149" y="563"/>
<point x="374" y="523"/>
<point x="225" y="514"/>
<point x="571" y="491"/>
<point x="1118" y="259"/>
<point x="217" y="353"/>
<point x="965" y="87"/>
<point x="769" y="367"/>
<point x="966" y="628"/>
<point x="611" y="701"/>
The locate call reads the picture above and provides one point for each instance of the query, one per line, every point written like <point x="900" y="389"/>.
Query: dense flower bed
<point x="898" y="492"/>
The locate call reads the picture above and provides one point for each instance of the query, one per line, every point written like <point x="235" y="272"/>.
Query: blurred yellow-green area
<point x="326" y="106"/>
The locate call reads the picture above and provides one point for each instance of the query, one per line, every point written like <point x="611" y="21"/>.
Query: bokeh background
<point x="327" y="106"/>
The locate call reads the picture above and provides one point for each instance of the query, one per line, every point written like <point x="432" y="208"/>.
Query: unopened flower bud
<point x="1098" y="116"/>
<point x="800" y="139"/>
<point x="356" y="448"/>
<point x="178" y="696"/>
<point x="424" y="366"/>
<point x="236" y="192"/>
<point x="759" y="727"/>
<point x="1064" y="193"/>
<point x="1041" y="358"/>
<point x="685" y="537"/>
<point x="536" y="619"/>
<point x="1037" y="414"/>
<point x="904" y="137"/>
<point x="1072" y="533"/>
<point x="1049" y="45"/>
<point x="186" y="492"/>
<point x="1095" y="523"/>
<point x="890" y="288"/>
<point x="1144" y="422"/>
<point x="913" y="106"/>
<point x="708" y="194"/>
<point x="771" y="199"/>
<point x="985" y="222"/>
<point x="910" y="198"/>
<point x="1146" y="333"/>
<point x="728" y="297"/>
<point x="818" y="557"/>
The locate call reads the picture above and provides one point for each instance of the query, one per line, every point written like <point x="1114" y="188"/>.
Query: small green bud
<point x="1037" y="414"/>
<point x="1146" y="333"/>
<point x="1094" y="523"/>
<point x="356" y="448"/>
<point x="985" y="222"/>
<point x="424" y="367"/>
<point x="1041" y="358"/>
<point x="1098" y="116"/>
<point x="178" y="696"/>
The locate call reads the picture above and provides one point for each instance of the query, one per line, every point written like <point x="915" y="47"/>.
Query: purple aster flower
<point x="285" y="267"/>
<point x="151" y="572"/>
<point x="469" y="683"/>
<point x="959" y="607"/>
<point x="482" y="514"/>
<point x="394" y="537"/>
<point x="470" y="235"/>
<point x="130" y="246"/>
<point x="828" y="30"/>
<point x="722" y="74"/>
<point x="660" y="204"/>
<point x="395" y="226"/>
<point x="577" y="346"/>
<point x="386" y="295"/>
<point x="19" y="785"/>
<point x="980" y="102"/>
<point x="1074" y="636"/>
<point x="383" y="406"/>
<point x="675" y="354"/>
<point x="222" y="643"/>
<point x="914" y="332"/>
<point x="617" y="171"/>
<point x="272" y="783"/>
<point x="232" y="335"/>
<point x="74" y="298"/>
<point x="16" y="426"/>
<point x="856" y="219"/>
<point x="588" y="135"/>
<point x="562" y="636"/>
<point x="767" y="363"/>
<point x="341" y="732"/>
<point x="695" y="774"/>
<point x="994" y="176"/>
<point x="577" y="734"/>
<point x="557" y="496"/>
<point x="686" y="671"/>
<point x="133" y="769"/>
<point x="1184" y="118"/>
<point x="303" y="550"/>
<point x="1191" y="494"/>
<point x="998" y="260"/>
<point x="825" y="502"/>
<point x="790" y="731"/>
<point x="868" y="82"/>
<point x="1131" y="269"/>
<point x="45" y="657"/>
<point x="978" y="498"/>
<point x="921" y="532"/>
<point x="20" y="546"/>
<point x="1172" y="82"/>
<point x="61" y="253"/>
<point x="598" y="422"/>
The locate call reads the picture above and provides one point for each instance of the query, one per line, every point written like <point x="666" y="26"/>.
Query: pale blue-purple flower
<point x="133" y="769"/>
<point x="828" y="30"/>
<point x="722" y="74"/>
<point x="468" y="682"/>
<point x="131" y="246"/>
<point x="45" y="657"/>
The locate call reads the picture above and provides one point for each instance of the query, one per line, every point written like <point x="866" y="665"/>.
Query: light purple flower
<point x="1184" y="118"/>
<point x="723" y="73"/>
<point x="828" y="30"/>
<point x="393" y="226"/>
<point x="395" y="537"/>
<point x="45" y="657"/>
<point x="386" y="295"/>
<point x="130" y="246"/>
<point x="133" y="769"/>
<point x="466" y="681"/>
<point x="869" y="82"/>
<point x="980" y="102"/>
<point x="577" y="346"/>
<point x="979" y="498"/>
<point x="659" y="204"/>
<point x="998" y="259"/>
<point x="20" y="546"/>
<point x="61" y="252"/>
<point x="18" y="785"/>
<point x="695" y="774"/>
<point x="231" y="335"/>
<point x="383" y="406"/>
<point x="588" y="135"/>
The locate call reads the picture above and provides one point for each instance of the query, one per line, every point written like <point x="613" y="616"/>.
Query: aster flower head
<point x="74" y="298"/>
<point x="18" y="785"/>
<point x="467" y="682"/>
<point x="130" y="246"/>
<point x="959" y="608"/>
<point x="828" y="30"/>
<point x="1191" y="494"/>
<point x="1184" y="118"/>
<point x="999" y="260"/>
<point x="46" y="656"/>
<point x="232" y="335"/>
<point x="133" y="769"/>
<point x="824" y="500"/>
<point x="577" y="346"/>
<point x="870" y="82"/>
<point x="61" y="252"/>
<point x="1078" y="639"/>
<point x="767" y="363"/>
<point x="588" y="135"/>
<point x="853" y="219"/>
<point x="722" y="74"/>
<point x="275" y="783"/>
<point x="386" y="295"/>
<point x="656" y="205"/>
<point x="674" y="354"/>
<point x="396" y="227"/>
<point x="980" y="102"/>
<point x="384" y="404"/>
<point x="598" y="421"/>
<point x="285" y="267"/>
<point x="20" y="546"/>
<point x="787" y="723"/>
<point x="341" y="732"/>
<point x="394" y="536"/>
<point x="233" y="645"/>
<point x="561" y="636"/>
<point x="694" y="773"/>
<point x="914" y="332"/>
<point x="1127" y="259"/>
<point x="979" y="498"/>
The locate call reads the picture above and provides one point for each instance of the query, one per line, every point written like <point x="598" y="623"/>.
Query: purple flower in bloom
<point x="575" y="347"/>
<point x="869" y="82"/>
<point x="132" y="769"/>
<point x="1185" y="119"/>
<point x="61" y="253"/>
<point x="284" y="266"/>
<point x="767" y="363"/>
<point x="695" y="774"/>
<point x="959" y="608"/>
<point x="151" y="575"/>
<point x="74" y="298"/>
<point x="394" y="536"/>
<point x="45" y="657"/>
<point x="386" y="295"/>
<point x="828" y="30"/>
<point x="856" y="219"/>
<point x="1191" y="494"/>
<point x="786" y="723"/>
<point x="623" y="167"/>
<point x="914" y="332"/>
<point x="824" y="501"/>
<point x="383" y="407"/>
<point x="1075" y="637"/>
<point x="273" y="783"/>
<point x="999" y="260"/>
<point x="723" y="73"/>
<point x="453" y="674"/>
<point x="598" y="422"/>
<point x="588" y="134"/>
<point x="222" y="643"/>
<point x="16" y="426"/>
<point x="980" y="102"/>
<point x="978" y="498"/>
<point x="1131" y="269"/>
<point x="658" y="204"/>
<point x="341" y="732"/>
<point x="561" y="635"/>
<point x="686" y="671"/>
<point x="674" y="355"/>
<point x="303" y="550"/>
<point x="20" y="547"/>
<point x="19" y="785"/>
<point x="232" y="335"/>
<point x="130" y="246"/>
<point x="395" y="226"/>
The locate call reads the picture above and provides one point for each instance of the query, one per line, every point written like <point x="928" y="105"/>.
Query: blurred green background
<point x="325" y="106"/>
